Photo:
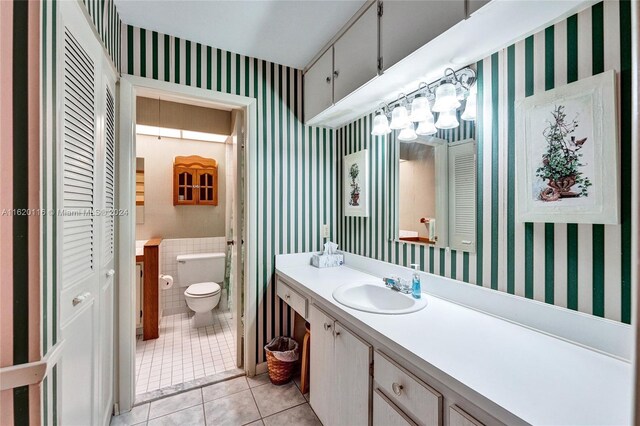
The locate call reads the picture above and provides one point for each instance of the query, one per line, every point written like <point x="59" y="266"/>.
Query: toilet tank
<point x="199" y="268"/>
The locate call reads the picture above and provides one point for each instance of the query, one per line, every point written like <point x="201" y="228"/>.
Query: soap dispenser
<point x="416" y="290"/>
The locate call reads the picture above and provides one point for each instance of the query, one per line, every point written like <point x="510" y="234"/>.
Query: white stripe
<point x="518" y="228"/>
<point x="502" y="171"/>
<point x="487" y="111"/>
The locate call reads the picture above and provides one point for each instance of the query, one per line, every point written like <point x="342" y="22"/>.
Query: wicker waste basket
<point x="282" y="354"/>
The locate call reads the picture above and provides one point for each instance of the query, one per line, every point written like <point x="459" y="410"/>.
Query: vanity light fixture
<point x="469" y="113"/>
<point x="380" y="123"/>
<point x="446" y="93"/>
<point x="447" y="120"/>
<point x="427" y="127"/>
<point x="399" y="116"/>
<point x="408" y="134"/>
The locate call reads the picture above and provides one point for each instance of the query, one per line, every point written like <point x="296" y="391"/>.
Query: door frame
<point x="126" y="228"/>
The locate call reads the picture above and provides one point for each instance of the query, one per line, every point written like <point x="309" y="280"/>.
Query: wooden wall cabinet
<point x="195" y="181"/>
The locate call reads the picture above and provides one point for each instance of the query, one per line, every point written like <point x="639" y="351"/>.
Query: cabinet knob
<point x="80" y="298"/>
<point x="110" y="273"/>
<point x="328" y="80"/>
<point x="287" y="296"/>
<point x="327" y="326"/>
<point x="336" y="333"/>
<point x="336" y="73"/>
<point x="397" y="388"/>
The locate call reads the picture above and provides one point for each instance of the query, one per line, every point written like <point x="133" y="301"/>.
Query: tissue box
<point x="327" y="260"/>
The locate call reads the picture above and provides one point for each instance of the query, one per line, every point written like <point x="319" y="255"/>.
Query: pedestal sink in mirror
<point x="377" y="299"/>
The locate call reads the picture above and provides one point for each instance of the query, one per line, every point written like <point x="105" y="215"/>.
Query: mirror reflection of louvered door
<point x="84" y="252"/>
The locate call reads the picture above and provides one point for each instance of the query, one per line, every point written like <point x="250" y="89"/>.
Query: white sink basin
<point x="377" y="299"/>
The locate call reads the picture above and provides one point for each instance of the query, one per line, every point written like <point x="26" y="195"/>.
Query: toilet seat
<point x="205" y="289"/>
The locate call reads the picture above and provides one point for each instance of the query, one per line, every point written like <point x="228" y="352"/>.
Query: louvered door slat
<point x="109" y="176"/>
<point x="78" y="162"/>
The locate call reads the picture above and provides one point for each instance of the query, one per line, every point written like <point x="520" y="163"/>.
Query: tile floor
<point x="183" y="353"/>
<point x="241" y="401"/>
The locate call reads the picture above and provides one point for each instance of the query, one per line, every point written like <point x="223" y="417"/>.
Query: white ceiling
<point x="286" y="32"/>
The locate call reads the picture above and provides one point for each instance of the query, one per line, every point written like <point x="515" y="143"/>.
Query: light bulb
<point x="399" y="118"/>
<point x="469" y="113"/>
<point x="426" y="127"/>
<point x="380" y="125"/>
<point x="408" y="133"/>
<point x="446" y="98"/>
<point x="447" y="120"/>
<point x="419" y="109"/>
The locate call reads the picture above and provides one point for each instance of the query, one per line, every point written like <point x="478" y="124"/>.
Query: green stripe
<point x="143" y="52"/>
<point x="454" y="264"/>
<point x="549" y="228"/>
<point x="480" y="173"/>
<point x="187" y="62"/>
<point x="431" y="259"/>
<point x="572" y="228"/>
<point x="598" y="231"/>
<point x="229" y="72"/>
<point x="209" y="69"/>
<point x="198" y="65"/>
<point x="219" y="70"/>
<point x="495" y="166"/>
<point x="238" y="69"/>
<point x="626" y="121"/>
<point x="167" y="57"/>
<point x="130" y="60"/>
<point x="154" y="41"/>
<point x="511" y="148"/>
<point x="528" y="227"/>
<point x="465" y="267"/>
<point x="177" y="60"/>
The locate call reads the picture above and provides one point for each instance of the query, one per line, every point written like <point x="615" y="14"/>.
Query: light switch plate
<point x="324" y="231"/>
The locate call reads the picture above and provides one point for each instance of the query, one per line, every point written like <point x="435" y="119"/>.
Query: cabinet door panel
<point x="353" y="379"/>
<point x="318" y="86"/>
<point x="459" y="417"/>
<point x="322" y="388"/>
<point x="385" y="413"/>
<point x="184" y="181"/>
<point x="407" y="25"/>
<point x="355" y="55"/>
<point x="207" y="181"/>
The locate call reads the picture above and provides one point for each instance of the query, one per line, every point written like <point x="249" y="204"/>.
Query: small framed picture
<point x="567" y="154"/>
<point x="356" y="184"/>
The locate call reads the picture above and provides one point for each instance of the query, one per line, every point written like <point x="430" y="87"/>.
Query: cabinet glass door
<point x="185" y="184"/>
<point x="207" y="187"/>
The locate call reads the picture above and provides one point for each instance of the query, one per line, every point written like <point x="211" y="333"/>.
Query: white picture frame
<point x="355" y="187"/>
<point x="567" y="154"/>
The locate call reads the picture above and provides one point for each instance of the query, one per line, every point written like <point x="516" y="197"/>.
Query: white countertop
<point x="541" y="379"/>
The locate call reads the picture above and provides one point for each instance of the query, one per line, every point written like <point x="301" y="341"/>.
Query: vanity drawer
<point x="458" y="417"/>
<point x="292" y="298"/>
<point x="420" y="401"/>
<point x="385" y="412"/>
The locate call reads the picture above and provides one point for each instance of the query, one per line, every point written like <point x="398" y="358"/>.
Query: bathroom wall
<point x="580" y="267"/>
<point x="172" y="300"/>
<point x="161" y="217"/>
<point x="296" y="172"/>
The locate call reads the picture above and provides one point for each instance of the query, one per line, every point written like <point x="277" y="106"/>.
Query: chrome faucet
<point x="397" y="284"/>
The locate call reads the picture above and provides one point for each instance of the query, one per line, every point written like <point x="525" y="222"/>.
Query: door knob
<point x="110" y="273"/>
<point x="328" y="80"/>
<point x="80" y="298"/>
<point x="336" y="73"/>
<point x="397" y="388"/>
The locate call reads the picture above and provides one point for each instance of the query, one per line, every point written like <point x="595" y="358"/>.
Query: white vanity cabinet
<point x="406" y="26"/>
<point x="340" y="379"/>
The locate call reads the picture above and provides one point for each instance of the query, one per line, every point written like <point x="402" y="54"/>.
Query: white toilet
<point x="201" y="273"/>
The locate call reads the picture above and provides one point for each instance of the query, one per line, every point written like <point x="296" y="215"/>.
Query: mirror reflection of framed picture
<point x="356" y="184"/>
<point x="567" y="154"/>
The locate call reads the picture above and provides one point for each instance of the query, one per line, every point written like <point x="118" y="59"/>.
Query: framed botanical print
<point x="567" y="154"/>
<point x="356" y="184"/>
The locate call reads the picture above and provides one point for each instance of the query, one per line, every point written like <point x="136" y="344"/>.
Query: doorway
<point x="185" y="353"/>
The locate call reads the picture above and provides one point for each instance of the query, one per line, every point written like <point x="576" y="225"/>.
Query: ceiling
<point x="286" y="32"/>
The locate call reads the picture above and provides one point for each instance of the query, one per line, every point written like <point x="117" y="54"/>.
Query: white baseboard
<point x="261" y="368"/>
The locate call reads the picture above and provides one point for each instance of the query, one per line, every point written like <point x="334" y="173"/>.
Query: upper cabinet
<point x="195" y="181"/>
<point x="355" y="55"/>
<point x="405" y="26"/>
<point x="379" y="36"/>
<point x="318" y="86"/>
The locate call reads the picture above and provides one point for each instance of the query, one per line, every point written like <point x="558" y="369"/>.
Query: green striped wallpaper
<point x="106" y="20"/>
<point x="580" y="267"/>
<point x="296" y="168"/>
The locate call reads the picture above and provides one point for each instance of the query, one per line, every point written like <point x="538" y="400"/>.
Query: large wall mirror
<point x="435" y="192"/>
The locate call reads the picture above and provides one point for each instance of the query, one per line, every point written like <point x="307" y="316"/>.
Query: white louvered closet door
<point x="86" y="296"/>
